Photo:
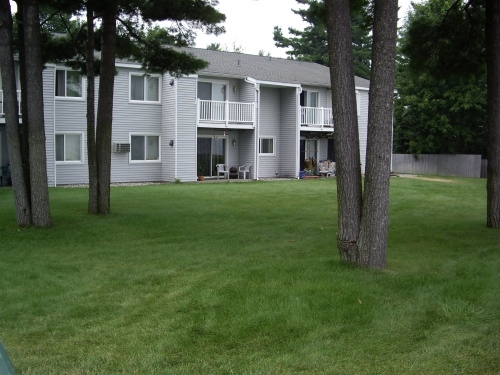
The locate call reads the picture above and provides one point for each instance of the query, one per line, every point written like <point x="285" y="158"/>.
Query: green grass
<point x="244" y="278"/>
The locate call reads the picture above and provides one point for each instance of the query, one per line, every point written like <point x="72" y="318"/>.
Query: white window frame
<point x="144" y="76"/>
<point x="267" y="153"/>
<point x="82" y="144"/>
<point x="131" y="161"/>
<point x="65" y="96"/>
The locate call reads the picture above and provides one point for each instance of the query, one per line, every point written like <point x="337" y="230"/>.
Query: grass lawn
<point x="244" y="278"/>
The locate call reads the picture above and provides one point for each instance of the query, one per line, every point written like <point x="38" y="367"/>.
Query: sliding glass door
<point x="308" y="151"/>
<point x="211" y="151"/>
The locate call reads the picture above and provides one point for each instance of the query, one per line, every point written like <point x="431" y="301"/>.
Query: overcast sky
<point x="250" y="24"/>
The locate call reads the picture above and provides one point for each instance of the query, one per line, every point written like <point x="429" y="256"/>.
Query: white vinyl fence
<point x="441" y="165"/>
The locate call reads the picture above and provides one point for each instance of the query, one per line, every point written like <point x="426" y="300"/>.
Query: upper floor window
<point x="69" y="147"/>
<point x="309" y="99"/>
<point x="144" y="87"/>
<point x="215" y="91"/>
<point x="69" y="83"/>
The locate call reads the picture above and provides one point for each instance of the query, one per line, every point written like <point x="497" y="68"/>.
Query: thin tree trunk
<point x="40" y="208"/>
<point x="493" y="112"/>
<point x="346" y="140"/>
<point x="91" y="143"/>
<point x="21" y="194"/>
<point x="372" y="241"/>
<point x="105" y="105"/>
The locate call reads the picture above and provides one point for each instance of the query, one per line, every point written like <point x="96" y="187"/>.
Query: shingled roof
<point x="265" y="68"/>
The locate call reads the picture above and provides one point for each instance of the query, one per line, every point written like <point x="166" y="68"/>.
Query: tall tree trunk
<point x="21" y="194"/>
<point x="362" y="234"/>
<point x="105" y="105"/>
<point x="374" y="220"/>
<point x="40" y="208"/>
<point x="91" y="142"/>
<point x="24" y="129"/>
<point x="493" y="112"/>
<point x="349" y="190"/>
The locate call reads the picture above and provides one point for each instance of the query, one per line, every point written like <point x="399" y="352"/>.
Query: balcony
<point x="316" y="118"/>
<point x="2" y="113"/>
<point x="217" y="114"/>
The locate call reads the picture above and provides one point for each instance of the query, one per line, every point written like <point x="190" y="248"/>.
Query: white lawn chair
<point x="222" y="169"/>
<point x="245" y="169"/>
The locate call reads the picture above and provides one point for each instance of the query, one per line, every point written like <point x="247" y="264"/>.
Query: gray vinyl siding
<point x="247" y="147"/>
<point x="71" y="116"/>
<point x="233" y="90"/>
<point x="168" y="114"/>
<point x="48" y="76"/>
<point x="363" y="126"/>
<point x="287" y="140"/>
<point x="186" y="128"/>
<point x="247" y="150"/>
<point x="232" y="156"/>
<point x="136" y="118"/>
<point x="270" y="119"/>
<point x="247" y="92"/>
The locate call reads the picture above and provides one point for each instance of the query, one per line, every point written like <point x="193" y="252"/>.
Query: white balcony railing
<point x="210" y="111"/>
<point x="316" y="117"/>
<point x="2" y="113"/>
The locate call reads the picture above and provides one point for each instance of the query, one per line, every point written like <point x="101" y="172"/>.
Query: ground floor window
<point x="69" y="147"/>
<point x="144" y="147"/>
<point x="266" y="146"/>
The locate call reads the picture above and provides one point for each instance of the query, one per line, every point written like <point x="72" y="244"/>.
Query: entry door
<point x="211" y="151"/>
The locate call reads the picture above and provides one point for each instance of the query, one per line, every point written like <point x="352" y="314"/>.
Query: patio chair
<point x="245" y="169"/>
<point x="323" y="169"/>
<point x="332" y="168"/>
<point x="221" y="168"/>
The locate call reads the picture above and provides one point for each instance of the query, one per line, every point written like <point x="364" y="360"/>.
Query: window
<point x="266" y="146"/>
<point x="309" y="99"/>
<point x="68" y="84"/>
<point x="69" y="147"/>
<point x="145" y="148"/>
<point x="215" y="91"/>
<point x="144" y="87"/>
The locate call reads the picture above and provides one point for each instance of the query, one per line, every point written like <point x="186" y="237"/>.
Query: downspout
<point x="257" y="127"/>
<point x="297" y="127"/>
<point x="175" y="132"/>
<point x="54" y="131"/>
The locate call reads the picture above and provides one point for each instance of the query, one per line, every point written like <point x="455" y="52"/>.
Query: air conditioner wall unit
<point x="120" y="147"/>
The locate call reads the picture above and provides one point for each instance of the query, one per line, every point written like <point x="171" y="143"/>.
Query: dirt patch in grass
<point x="434" y="179"/>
